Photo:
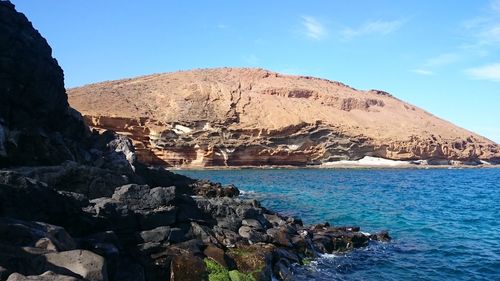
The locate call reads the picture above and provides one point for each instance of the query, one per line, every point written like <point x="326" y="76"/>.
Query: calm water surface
<point x="445" y="223"/>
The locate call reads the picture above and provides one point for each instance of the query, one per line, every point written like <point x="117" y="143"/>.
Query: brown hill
<point x="234" y="117"/>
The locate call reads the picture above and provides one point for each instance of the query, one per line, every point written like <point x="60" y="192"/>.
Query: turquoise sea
<point x="445" y="223"/>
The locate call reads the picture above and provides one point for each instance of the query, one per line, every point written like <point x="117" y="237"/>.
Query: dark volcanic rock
<point x="36" y="123"/>
<point x="91" y="181"/>
<point x="77" y="263"/>
<point x="28" y="199"/>
<point x="211" y="190"/>
<point x="158" y="234"/>
<point x="142" y="197"/>
<point x="188" y="267"/>
<point x="47" y="276"/>
<point x="35" y="234"/>
<point x="219" y="256"/>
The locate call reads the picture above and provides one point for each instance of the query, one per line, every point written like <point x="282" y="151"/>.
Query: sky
<point x="442" y="56"/>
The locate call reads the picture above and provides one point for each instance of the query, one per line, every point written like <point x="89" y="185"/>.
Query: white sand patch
<point x="368" y="161"/>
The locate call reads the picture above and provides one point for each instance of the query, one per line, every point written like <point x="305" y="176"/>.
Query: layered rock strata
<point x="77" y="205"/>
<point x="239" y="117"/>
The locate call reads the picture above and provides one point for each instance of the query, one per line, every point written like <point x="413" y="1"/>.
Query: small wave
<point x="330" y="256"/>
<point x="249" y="192"/>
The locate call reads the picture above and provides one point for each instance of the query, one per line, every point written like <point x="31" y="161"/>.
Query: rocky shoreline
<point x="160" y="233"/>
<point x="76" y="204"/>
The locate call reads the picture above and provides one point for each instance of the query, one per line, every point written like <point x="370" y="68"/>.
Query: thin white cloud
<point x="313" y="28"/>
<point x="222" y="26"/>
<point x="422" y="71"/>
<point x="430" y="65"/>
<point x="442" y="60"/>
<point x="484" y="30"/>
<point x="378" y="27"/>
<point x="474" y="23"/>
<point x="490" y="34"/>
<point x="490" y="72"/>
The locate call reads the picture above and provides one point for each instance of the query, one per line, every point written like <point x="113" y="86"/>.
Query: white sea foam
<point x="330" y="256"/>
<point x="249" y="192"/>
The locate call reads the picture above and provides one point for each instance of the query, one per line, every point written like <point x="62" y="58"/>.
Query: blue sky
<point x="442" y="55"/>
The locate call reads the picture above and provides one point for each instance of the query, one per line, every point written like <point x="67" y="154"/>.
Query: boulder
<point x="254" y="259"/>
<point x="159" y="176"/>
<point x="82" y="263"/>
<point x="187" y="267"/>
<point x="116" y="152"/>
<point x="76" y="197"/>
<point x="35" y="234"/>
<point x="229" y="212"/>
<point x="114" y="215"/>
<point x="210" y="190"/>
<point x="274" y="219"/>
<point x="14" y="258"/>
<point x="192" y="246"/>
<point x="158" y="234"/>
<point x="218" y="255"/>
<point x="203" y="232"/>
<point x="253" y="223"/>
<point x="226" y="237"/>
<point x="93" y="182"/>
<point x="281" y="235"/>
<point x="30" y="200"/>
<point x="162" y="216"/>
<point x="176" y="235"/>
<point x="142" y="197"/>
<point x="381" y="236"/>
<point x="46" y="276"/>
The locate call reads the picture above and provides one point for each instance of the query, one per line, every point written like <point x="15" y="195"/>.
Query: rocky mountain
<point x="239" y="116"/>
<point x="76" y="204"/>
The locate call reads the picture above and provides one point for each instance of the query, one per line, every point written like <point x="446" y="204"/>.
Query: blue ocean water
<point x="445" y="223"/>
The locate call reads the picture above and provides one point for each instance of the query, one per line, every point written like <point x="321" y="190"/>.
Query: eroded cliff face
<point x="254" y="117"/>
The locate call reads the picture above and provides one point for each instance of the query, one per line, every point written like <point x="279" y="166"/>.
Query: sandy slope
<point x="295" y="119"/>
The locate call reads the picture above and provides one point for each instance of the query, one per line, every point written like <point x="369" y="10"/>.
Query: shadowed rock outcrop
<point x="239" y="117"/>
<point x="37" y="126"/>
